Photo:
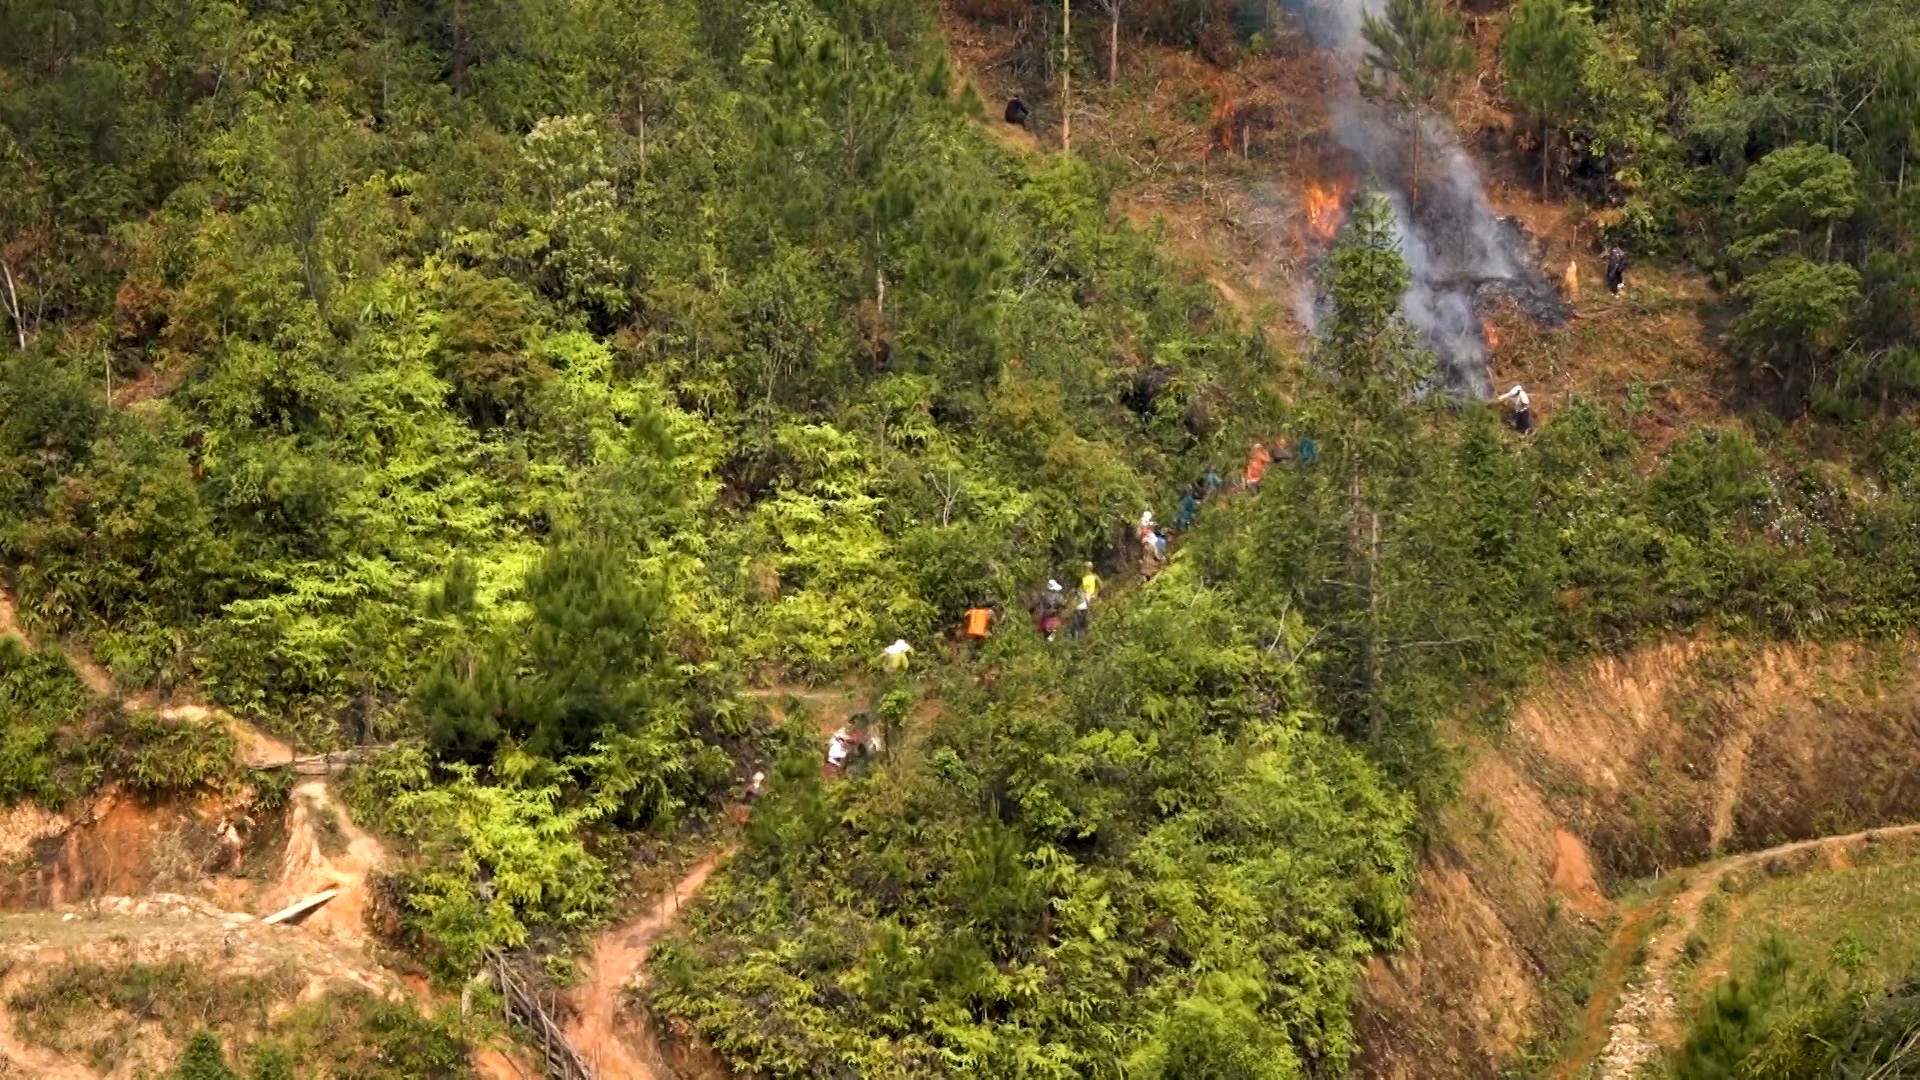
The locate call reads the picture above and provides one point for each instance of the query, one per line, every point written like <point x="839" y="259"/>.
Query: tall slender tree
<point x="1112" y="8"/>
<point x="1376" y="363"/>
<point x="1066" y="75"/>
<point x="1420" y="54"/>
<point x="1545" y="47"/>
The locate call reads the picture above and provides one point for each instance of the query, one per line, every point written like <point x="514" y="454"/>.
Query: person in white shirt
<point x="838" y="747"/>
<point x="1522" y="410"/>
<point x="894" y="656"/>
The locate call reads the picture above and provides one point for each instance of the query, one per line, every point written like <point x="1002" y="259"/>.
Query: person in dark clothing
<point x="1053" y="600"/>
<point x="1017" y="112"/>
<point x="1616" y="270"/>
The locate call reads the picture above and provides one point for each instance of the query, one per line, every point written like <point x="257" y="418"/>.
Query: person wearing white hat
<point x="1522" y="407"/>
<point x="1150" y="549"/>
<point x="1052" y="602"/>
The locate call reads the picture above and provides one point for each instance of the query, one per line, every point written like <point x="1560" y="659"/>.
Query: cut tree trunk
<point x="1546" y="156"/>
<point x="1113" y="43"/>
<point x="13" y="308"/>
<point x="1066" y="76"/>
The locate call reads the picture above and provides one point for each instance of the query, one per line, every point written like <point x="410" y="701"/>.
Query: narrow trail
<point x="619" y="958"/>
<point x="1729" y="778"/>
<point x="256" y="747"/>
<point x="1626" y="1027"/>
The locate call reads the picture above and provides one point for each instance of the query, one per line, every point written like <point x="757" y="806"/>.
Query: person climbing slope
<point x="839" y="745"/>
<point x="893" y="658"/>
<point x="978" y="620"/>
<point x="1616" y="270"/>
<point x="1258" y="458"/>
<point x="1148" y="538"/>
<point x="1083" y="610"/>
<point x="1053" y="600"/>
<point x="1522" y="409"/>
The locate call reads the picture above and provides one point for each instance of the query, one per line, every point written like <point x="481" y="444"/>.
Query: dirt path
<point x="256" y="747"/>
<point x="1729" y="776"/>
<point x="619" y="958"/>
<point x="1639" y="1021"/>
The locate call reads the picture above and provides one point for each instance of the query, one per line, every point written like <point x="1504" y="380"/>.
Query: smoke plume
<point x="1459" y="251"/>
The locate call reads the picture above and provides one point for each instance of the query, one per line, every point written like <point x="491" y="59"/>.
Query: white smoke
<point x="1453" y="242"/>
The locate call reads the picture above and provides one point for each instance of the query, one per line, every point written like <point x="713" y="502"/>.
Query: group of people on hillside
<point x="1260" y="456"/>
<point x="1051" y="611"/>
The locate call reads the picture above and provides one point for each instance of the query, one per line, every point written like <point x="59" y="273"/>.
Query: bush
<point x="203" y="1059"/>
<point x="42" y="746"/>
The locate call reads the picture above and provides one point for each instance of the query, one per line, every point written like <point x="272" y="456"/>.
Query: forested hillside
<point x="517" y="383"/>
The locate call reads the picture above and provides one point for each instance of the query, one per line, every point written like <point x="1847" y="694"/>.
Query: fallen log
<point x="300" y="907"/>
<point x="325" y="764"/>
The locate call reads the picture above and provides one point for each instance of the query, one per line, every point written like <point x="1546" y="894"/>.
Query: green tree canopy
<point x="1419" y="54"/>
<point x="1544" y="55"/>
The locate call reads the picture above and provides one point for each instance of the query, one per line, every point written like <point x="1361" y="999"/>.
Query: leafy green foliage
<point x="1790" y="197"/>
<point x="1745" y="131"/>
<point x="203" y="1059"/>
<point x="1543" y="53"/>
<point x="1101" y="863"/>
<point x="45" y="706"/>
<point x="152" y="755"/>
<point x="499" y="858"/>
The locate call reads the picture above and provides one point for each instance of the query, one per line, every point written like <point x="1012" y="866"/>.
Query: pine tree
<point x="1543" y="52"/>
<point x="1735" y="1021"/>
<point x="585" y="665"/>
<point x="1377" y="365"/>
<point x="1420" y="55"/>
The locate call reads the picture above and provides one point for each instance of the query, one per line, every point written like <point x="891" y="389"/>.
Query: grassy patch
<point x="1823" y="914"/>
<point x="154" y="755"/>
<point x="362" y="1036"/>
<point x="58" y="742"/>
<point x="103" y="1014"/>
<point x="96" y="1013"/>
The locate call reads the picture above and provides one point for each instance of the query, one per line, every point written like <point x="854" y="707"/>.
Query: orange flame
<point x="1326" y="211"/>
<point x="1222" y="122"/>
<point x="1493" y="334"/>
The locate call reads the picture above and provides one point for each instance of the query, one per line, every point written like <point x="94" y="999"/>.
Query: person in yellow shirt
<point x="1083" y="611"/>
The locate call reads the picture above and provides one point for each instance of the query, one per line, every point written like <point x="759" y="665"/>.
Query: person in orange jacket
<point x="979" y="619"/>
<point x="1258" y="459"/>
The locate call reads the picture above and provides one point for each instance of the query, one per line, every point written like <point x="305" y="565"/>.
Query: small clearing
<point x="619" y="961"/>
<point x="154" y="930"/>
<point x="828" y="707"/>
